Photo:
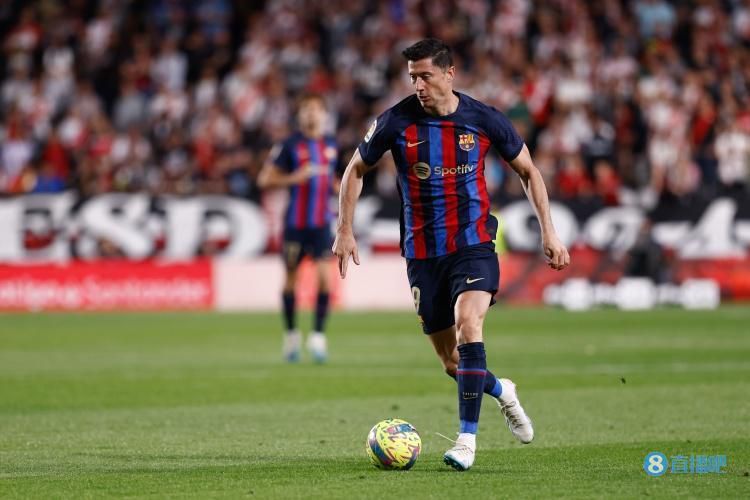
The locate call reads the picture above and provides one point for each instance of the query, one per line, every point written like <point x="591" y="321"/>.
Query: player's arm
<point x="351" y="187"/>
<point x="272" y="177"/>
<point x="336" y="185"/>
<point x="533" y="185"/>
<point x="279" y="172"/>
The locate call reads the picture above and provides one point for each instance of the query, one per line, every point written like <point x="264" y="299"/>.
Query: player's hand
<point x="344" y="246"/>
<point x="557" y="255"/>
<point x="305" y="172"/>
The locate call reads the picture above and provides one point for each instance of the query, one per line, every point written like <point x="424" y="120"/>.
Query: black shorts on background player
<point x="315" y="242"/>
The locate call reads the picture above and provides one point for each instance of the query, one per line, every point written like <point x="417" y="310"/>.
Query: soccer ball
<point x="393" y="444"/>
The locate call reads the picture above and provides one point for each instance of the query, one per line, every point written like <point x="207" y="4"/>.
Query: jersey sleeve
<point x="379" y="139"/>
<point x="281" y="156"/>
<point x="503" y="135"/>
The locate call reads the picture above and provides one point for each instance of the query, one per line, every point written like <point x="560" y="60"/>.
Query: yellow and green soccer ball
<point x="393" y="444"/>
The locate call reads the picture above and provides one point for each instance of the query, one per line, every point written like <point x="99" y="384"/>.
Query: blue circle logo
<point x="655" y="464"/>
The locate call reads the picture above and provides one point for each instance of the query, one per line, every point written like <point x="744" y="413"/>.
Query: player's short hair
<point x="311" y="96"/>
<point x="434" y="48"/>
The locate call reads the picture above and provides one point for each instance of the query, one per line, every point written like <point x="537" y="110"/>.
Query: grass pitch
<point x="199" y="405"/>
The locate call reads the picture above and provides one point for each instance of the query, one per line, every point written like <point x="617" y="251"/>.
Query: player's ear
<point x="450" y="73"/>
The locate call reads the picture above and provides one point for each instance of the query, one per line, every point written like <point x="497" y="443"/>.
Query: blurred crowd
<point x="619" y="101"/>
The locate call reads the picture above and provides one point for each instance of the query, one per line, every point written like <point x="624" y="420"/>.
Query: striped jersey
<point x="309" y="202"/>
<point x="440" y="164"/>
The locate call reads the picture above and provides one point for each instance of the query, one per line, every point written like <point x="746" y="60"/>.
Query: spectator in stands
<point x="732" y="148"/>
<point x="618" y="96"/>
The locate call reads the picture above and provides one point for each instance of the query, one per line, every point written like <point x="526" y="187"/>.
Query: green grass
<point x="199" y="405"/>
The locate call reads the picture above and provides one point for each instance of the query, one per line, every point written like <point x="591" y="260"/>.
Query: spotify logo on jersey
<point x="421" y="170"/>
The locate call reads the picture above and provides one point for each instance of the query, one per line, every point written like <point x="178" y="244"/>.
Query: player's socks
<point x="289" y="312"/>
<point x="492" y="384"/>
<point x="472" y="369"/>
<point x="321" y="311"/>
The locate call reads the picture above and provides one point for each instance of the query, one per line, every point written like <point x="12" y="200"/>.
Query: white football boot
<point x="461" y="456"/>
<point x="292" y="345"/>
<point x="317" y="345"/>
<point x="518" y="422"/>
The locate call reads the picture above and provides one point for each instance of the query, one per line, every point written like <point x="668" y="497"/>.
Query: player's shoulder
<point x="406" y="109"/>
<point x="394" y="119"/>
<point x="476" y="106"/>
<point x="407" y="105"/>
<point x="485" y="116"/>
<point x="292" y="139"/>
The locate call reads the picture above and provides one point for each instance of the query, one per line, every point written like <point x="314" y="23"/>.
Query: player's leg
<point x="316" y="341"/>
<point x="469" y="312"/>
<point x="445" y="343"/>
<point x="475" y="278"/>
<point x="292" y="254"/>
<point x="470" y="372"/>
<point x="432" y="299"/>
<point x="320" y="248"/>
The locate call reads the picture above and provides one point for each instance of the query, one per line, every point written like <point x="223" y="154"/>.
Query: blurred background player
<point x="439" y="139"/>
<point x="305" y="163"/>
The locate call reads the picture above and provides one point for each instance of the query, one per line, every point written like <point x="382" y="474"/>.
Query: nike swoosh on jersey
<point x="469" y="281"/>
<point x="412" y="144"/>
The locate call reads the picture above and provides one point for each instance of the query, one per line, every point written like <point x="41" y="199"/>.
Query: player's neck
<point x="312" y="132"/>
<point x="445" y="107"/>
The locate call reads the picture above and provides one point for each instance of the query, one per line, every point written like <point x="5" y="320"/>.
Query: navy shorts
<point x="436" y="283"/>
<point x="315" y="242"/>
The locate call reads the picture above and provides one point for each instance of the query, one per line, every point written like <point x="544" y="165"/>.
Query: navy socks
<point x="289" y="316"/>
<point x="471" y="374"/>
<point x="321" y="311"/>
<point x="491" y="384"/>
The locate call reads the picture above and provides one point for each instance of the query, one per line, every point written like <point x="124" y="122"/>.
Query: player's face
<point x="311" y="115"/>
<point x="432" y="84"/>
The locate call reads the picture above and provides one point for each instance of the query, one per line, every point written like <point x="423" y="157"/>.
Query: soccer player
<point x="305" y="163"/>
<point x="439" y="138"/>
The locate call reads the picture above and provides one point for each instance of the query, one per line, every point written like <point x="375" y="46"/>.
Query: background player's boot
<point x="292" y="345"/>
<point x="461" y="456"/>
<point x="518" y="422"/>
<point x="317" y="345"/>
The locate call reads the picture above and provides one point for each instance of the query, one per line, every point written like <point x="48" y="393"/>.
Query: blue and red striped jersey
<point x="309" y="202"/>
<point x="440" y="164"/>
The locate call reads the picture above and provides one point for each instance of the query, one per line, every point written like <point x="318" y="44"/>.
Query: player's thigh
<point x="431" y="294"/>
<point x="293" y="249"/>
<point x="474" y="277"/>
<point x="318" y="242"/>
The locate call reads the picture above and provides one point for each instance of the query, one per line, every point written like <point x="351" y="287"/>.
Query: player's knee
<point x="469" y="328"/>
<point x="450" y="368"/>
<point x="323" y="285"/>
<point x="290" y="282"/>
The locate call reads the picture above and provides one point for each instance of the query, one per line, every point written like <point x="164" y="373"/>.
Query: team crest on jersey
<point x="330" y="153"/>
<point x="466" y="141"/>
<point x="421" y="170"/>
